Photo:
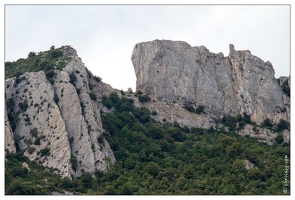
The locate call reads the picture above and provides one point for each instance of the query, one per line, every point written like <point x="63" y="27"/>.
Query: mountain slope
<point x="54" y="118"/>
<point x="163" y="158"/>
<point x="179" y="133"/>
<point x="54" y="103"/>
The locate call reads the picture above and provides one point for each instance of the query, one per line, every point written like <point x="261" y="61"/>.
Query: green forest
<point x="156" y="158"/>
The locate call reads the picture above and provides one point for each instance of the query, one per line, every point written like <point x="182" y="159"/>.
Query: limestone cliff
<point x="174" y="71"/>
<point x="56" y="121"/>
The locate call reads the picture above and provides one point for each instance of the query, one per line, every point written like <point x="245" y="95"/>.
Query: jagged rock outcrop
<point x="248" y="164"/>
<point x="38" y="121"/>
<point x="263" y="134"/>
<point x="174" y="71"/>
<point x="173" y="112"/>
<point x="57" y="122"/>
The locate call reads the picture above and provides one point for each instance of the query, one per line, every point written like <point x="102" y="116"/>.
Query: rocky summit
<point x="53" y="103"/>
<point x="240" y="83"/>
<point x="54" y="119"/>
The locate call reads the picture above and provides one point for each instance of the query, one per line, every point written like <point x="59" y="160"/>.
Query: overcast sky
<point x="104" y="35"/>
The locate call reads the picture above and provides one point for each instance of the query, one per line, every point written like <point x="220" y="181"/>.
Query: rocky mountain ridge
<point x="241" y="83"/>
<point x="54" y="115"/>
<point x="173" y="71"/>
<point x="57" y="122"/>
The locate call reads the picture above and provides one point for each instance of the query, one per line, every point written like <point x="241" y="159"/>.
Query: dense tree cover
<point x="154" y="158"/>
<point x="40" y="180"/>
<point x="19" y="180"/>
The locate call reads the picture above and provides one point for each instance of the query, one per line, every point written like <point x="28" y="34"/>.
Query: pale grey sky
<point x="104" y="35"/>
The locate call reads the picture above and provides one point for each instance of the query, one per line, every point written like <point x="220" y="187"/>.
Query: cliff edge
<point x="175" y="72"/>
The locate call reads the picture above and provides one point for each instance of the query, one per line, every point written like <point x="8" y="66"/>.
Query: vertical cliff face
<point x="56" y="120"/>
<point x="37" y="121"/>
<point x="173" y="71"/>
<point x="9" y="137"/>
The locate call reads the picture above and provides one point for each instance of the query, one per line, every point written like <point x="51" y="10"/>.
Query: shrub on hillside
<point x="97" y="78"/>
<point x="92" y="95"/>
<point x="282" y="125"/>
<point x="279" y="139"/>
<point x="190" y="108"/>
<point x="200" y="109"/>
<point x="74" y="163"/>
<point x="56" y="53"/>
<point x="49" y="74"/>
<point x="43" y="64"/>
<point x="73" y="78"/>
<point x="23" y="105"/>
<point x="267" y="123"/>
<point x="143" y="98"/>
<point x="32" y="54"/>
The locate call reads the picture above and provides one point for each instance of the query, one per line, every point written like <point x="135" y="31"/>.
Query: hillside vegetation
<point x="46" y="61"/>
<point x="163" y="158"/>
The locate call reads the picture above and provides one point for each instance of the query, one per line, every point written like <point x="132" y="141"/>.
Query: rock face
<point x="175" y="72"/>
<point x="263" y="134"/>
<point x="248" y="164"/>
<point x="173" y="112"/>
<point x="9" y="137"/>
<point x="58" y="123"/>
<point x="54" y="117"/>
